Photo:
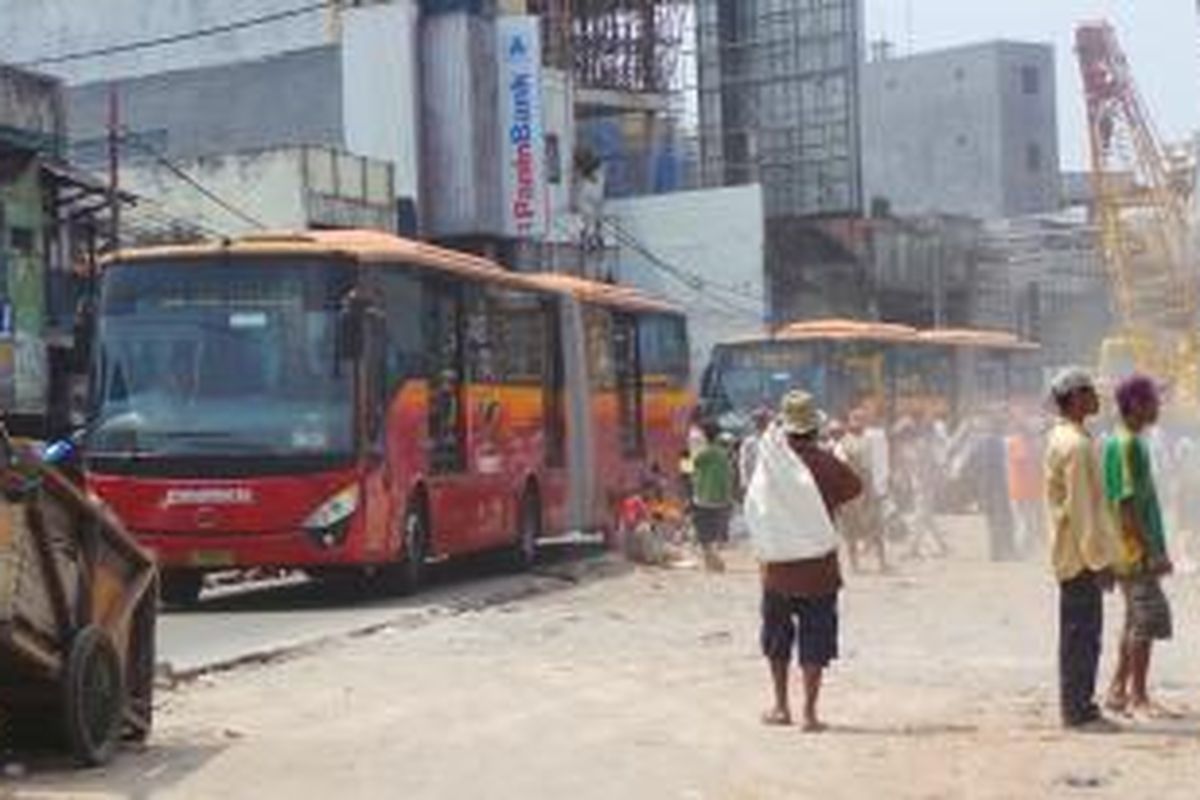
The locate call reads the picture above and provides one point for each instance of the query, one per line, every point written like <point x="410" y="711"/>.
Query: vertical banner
<point x="523" y="139"/>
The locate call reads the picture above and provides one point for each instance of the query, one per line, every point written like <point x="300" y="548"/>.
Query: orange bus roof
<point x="846" y="329"/>
<point x="970" y="337"/>
<point x="841" y="330"/>
<point x="358" y="245"/>
<point x="605" y="294"/>
<point x="366" y="246"/>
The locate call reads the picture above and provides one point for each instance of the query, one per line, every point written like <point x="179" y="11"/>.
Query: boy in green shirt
<point x="712" y="495"/>
<point x="1142" y="559"/>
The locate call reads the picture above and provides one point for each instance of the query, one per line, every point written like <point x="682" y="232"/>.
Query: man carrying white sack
<point x="790" y="503"/>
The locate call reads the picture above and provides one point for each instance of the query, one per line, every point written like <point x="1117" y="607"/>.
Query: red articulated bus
<point x="347" y="402"/>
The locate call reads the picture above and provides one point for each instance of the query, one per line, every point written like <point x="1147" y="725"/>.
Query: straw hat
<point x="799" y="413"/>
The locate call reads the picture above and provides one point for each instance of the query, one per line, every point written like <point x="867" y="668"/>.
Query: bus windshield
<point x="215" y="359"/>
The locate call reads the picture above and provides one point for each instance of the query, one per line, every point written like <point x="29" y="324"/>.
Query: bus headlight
<point x="329" y="523"/>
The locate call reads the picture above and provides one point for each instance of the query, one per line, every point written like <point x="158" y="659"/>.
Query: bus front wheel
<point x="410" y="572"/>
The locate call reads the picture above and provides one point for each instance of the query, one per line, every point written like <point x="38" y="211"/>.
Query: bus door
<point x="554" y="423"/>
<point x="627" y="366"/>
<point x="577" y="394"/>
<point x="453" y="506"/>
<point x="554" y="418"/>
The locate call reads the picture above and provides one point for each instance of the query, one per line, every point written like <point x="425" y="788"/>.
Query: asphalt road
<point x="234" y="625"/>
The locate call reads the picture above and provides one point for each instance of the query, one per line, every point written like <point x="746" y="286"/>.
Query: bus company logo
<point x="208" y="496"/>
<point x="521" y="135"/>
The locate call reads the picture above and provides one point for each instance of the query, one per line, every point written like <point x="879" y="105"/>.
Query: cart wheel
<point x="140" y="665"/>
<point x="181" y="589"/>
<point x="93" y="697"/>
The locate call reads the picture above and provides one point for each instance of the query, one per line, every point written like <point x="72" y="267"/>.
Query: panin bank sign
<point x="523" y="143"/>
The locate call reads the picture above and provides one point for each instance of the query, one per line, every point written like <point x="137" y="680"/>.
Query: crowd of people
<point x="811" y="487"/>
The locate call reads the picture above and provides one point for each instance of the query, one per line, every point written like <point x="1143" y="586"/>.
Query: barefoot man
<point x="1083" y="546"/>
<point x="1142" y="559"/>
<point x="797" y="487"/>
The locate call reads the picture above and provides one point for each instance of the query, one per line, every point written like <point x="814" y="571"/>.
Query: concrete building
<point x="281" y="188"/>
<point x="418" y="84"/>
<point x="1045" y="279"/>
<point x="779" y="84"/>
<point x="342" y="77"/>
<point x="52" y="219"/>
<point x="915" y="271"/>
<point x="968" y="131"/>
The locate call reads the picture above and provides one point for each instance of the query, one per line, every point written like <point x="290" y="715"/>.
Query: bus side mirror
<point x="352" y="328"/>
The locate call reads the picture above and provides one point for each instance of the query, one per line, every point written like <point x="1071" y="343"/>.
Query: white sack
<point x="783" y="507"/>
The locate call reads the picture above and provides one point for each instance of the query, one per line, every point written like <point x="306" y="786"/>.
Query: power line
<point x="721" y="306"/>
<point x="199" y="33"/>
<point x="182" y="174"/>
<point x="695" y="280"/>
<point x="692" y="280"/>
<point x="152" y="209"/>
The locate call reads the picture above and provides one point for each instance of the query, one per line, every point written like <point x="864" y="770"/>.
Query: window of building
<point x="1033" y="157"/>
<point x="960" y="74"/>
<point x="554" y="168"/>
<point x="1031" y="80"/>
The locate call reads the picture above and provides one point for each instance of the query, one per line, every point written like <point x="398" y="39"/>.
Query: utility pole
<point x="939" y="279"/>
<point x="114" y="165"/>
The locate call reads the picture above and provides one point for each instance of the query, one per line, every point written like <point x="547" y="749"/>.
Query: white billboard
<point x="523" y="138"/>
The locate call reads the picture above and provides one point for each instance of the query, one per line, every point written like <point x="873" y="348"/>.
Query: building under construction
<point x="779" y="83"/>
<point x="625" y="56"/>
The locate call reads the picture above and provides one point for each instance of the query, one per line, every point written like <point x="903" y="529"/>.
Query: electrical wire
<point x="697" y="281"/>
<point x="179" y="172"/>
<point x="692" y="280"/>
<point x="199" y="33"/>
<point x="721" y="306"/>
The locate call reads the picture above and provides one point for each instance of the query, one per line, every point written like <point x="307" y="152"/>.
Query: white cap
<point x="1070" y="380"/>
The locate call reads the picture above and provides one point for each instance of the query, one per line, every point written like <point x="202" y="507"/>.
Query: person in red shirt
<point x="1025" y="486"/>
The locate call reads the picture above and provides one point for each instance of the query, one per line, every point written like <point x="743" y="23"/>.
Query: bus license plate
<point x="212" y="558"/>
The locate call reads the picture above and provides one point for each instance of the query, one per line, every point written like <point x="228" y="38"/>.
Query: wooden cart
<point x="77" y="615"/>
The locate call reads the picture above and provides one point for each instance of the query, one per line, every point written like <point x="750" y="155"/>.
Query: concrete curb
<point x="459" y="600"/>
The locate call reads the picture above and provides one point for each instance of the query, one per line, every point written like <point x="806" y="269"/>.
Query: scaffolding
<point x="625" y="57"/>
<point x="615" y="45"/>
<point x="779" y="83"/>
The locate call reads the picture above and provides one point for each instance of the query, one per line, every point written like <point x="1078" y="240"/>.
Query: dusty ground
<point x="649" y="684"/>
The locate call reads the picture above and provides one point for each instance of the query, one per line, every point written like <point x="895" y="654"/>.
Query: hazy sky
<point x="1161" y="38"/>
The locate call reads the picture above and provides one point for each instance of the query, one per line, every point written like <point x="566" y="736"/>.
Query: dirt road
<point x="648" y="684"/>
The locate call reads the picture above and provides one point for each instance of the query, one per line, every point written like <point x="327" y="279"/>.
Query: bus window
<point x="401" y="293"/>
<point x="518" y="333"/>
<point x="629" y="384"/>
<point x="663" y="345"/>
<point x="598" y="330"/>
<point x="447" y="417"/>
<point x="484" y="345"/>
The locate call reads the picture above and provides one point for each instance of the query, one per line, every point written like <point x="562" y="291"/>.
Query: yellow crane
<point x="1141" y="208"/>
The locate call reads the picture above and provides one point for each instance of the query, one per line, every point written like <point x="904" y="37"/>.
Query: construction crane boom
<point x="1142" y="213"/>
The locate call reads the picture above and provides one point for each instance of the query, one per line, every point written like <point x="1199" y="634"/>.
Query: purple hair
<point x="1136" y="391"/>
